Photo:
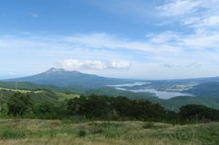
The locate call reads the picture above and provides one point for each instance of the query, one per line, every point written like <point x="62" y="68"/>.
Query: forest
<point x="100" y="107"/>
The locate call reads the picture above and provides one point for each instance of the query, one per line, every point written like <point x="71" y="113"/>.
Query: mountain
<point x="205" y="90"/>
<point x="63" y="78"/>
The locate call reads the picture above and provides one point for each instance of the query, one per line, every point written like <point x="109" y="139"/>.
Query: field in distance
<point x="47" y="132"/>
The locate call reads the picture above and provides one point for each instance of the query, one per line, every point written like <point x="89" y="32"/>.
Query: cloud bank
<point x="75" y="64"/>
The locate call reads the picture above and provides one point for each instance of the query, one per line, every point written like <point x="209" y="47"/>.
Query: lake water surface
<point x="159" y="94"/>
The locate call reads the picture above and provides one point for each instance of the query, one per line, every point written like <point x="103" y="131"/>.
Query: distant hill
<point x="205" y="90"/>
<point x="63" y="78"/>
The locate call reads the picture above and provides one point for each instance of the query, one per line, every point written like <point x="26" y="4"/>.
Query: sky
<point x="143" y="39"/>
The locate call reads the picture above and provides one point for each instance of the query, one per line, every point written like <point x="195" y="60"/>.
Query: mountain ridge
<point x="64" y="78"/>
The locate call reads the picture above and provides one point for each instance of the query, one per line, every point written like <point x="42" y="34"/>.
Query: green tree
<point x="91" y="106"/>
<point x="19" y="104"/>
<point x="199" y="113"/>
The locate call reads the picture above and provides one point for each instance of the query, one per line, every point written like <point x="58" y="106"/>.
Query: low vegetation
<point x="68" y="132"/>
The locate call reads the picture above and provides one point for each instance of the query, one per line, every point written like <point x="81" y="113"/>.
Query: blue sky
<point x="147" y="39"/>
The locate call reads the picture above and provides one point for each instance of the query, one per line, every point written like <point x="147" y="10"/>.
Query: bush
<point x="198" y="113"/>
<point x="82" y="133"/>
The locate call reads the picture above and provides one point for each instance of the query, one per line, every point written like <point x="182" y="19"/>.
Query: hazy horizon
<point x="13" y="76"/>
<point x="171" y="39"/>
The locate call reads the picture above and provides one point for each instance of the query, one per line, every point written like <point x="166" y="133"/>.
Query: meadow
<point x="69" y="132"/>
<point x="59" y="118"/>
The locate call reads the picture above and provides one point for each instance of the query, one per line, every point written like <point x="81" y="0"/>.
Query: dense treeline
<point x="103" y="108"/>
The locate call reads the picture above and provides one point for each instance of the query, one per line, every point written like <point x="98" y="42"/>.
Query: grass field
<point x="64" y="96"/>
<point x="45" y="132"/>
<point x="21" y="91"/>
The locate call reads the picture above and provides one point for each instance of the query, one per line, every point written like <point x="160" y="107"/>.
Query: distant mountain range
<point x="205" y="90"/>
<point x="63" y="78"/>
<point x="74" y="79"/>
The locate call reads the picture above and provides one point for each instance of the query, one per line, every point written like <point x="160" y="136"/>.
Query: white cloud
<point x="199" y="20"/>
<point x="75" y="64"/>
<point x="194" y="13"/>
<point x="119" y="64"/>
<point x="196" y="41"/>
<point x="164" y="37"/>
<point x="211" y="21"/>
<point x="179" y="7"/>
<point x="86" y="41"/>
<point x="102" y="40"/>
<point x="110" y="55"/>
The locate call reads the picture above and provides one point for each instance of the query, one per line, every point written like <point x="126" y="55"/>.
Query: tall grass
<point x="45" y="132"/>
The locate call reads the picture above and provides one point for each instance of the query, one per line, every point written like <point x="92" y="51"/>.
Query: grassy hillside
<point x="39" y="96"/>
<point x="45" y="132"/>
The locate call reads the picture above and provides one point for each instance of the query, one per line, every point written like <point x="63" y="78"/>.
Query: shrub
<point x="199" y="113"/>
<point x="82" y="133"/>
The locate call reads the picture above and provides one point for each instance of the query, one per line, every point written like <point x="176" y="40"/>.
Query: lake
<point x="159" y="94"/>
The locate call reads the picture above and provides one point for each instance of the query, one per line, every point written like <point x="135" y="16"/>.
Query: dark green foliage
<point x="82" y="133"/>
<point x="119" y="107"/>
<point x="138" y="109"/>
<point x="90" y="106"/>
<point x="199" y="112"/>
<point x="19" y="104"/>
<point x="99" y="107"/>
<point x="47" y="111"/>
